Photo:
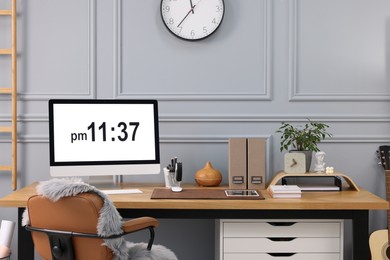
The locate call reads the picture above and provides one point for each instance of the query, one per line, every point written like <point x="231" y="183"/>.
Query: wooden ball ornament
<point x="208" y="176"/>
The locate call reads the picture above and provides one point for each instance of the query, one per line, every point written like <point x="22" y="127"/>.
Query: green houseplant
<point x="303" y="138"/>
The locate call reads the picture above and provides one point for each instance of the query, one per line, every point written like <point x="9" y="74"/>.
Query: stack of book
<point x="285" y="191"/>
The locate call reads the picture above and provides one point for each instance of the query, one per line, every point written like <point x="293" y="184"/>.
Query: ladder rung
<point x="5" y="129"/>
<point x="5" y="12"/>
<point x="5" y="51"/>
<point x="6" y="168"/>
<point x="5" y="90"/>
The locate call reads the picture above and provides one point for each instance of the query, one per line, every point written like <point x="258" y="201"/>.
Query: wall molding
<point x="205" y="138"/>
<point x="294" y="94"/>
<point x="117" y="47"/>
<point x="211" y="118"/>
<point x="91" y="87"/>
<point x="269" y="118"/>
<point x="264" y="95"/>
<point x="223" y="139"/>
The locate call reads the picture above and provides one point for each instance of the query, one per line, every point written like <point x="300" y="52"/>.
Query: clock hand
<point x="192" y="9"/>
<point x="294" y="163"/>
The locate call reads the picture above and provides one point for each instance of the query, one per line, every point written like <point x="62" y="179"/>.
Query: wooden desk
<point x="354" y="205"/>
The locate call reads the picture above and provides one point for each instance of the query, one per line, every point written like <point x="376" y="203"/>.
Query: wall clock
<point x="294" y="163"/>
<point x="192" y="19"/>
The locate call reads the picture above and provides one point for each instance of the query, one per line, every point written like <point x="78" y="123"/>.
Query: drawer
<point x="281" y="229"/>
<point x="273" y="245"/>
<point x="298" y="256"/>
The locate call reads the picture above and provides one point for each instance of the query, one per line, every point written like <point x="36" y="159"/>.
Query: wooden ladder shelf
<point x="11" y="90"/>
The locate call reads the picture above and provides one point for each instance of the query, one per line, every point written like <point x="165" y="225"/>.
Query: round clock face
<point x="192" y="19"/>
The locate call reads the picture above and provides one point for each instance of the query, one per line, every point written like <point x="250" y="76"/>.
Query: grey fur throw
<point x="109" y="223"/>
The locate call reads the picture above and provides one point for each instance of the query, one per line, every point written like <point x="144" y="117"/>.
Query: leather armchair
<point x="67" y="228"/>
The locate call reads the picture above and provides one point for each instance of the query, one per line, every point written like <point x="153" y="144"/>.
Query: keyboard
<point x="122" y="191"/>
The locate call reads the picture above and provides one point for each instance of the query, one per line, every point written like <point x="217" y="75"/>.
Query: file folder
<point x="256" y="163"/>
<point x="237" y="163"/>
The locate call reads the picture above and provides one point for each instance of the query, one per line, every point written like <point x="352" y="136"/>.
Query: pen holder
<point x="170" y="179"/>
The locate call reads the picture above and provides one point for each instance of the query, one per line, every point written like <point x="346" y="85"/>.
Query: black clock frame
<point x="192" y="40"/>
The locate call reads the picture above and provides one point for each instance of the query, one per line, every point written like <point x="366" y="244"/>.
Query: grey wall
<point x="270" y="61"/>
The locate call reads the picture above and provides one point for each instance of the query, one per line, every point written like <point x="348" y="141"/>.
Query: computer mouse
<point x="176" y="189"/>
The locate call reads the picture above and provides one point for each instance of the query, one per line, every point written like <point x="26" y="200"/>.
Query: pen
<point x="174" y="163"/>
<point x="172" y="166"/>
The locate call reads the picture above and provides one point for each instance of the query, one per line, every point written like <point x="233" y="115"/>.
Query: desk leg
<point x="360" y="231"/>
<point x="25" y="243"/>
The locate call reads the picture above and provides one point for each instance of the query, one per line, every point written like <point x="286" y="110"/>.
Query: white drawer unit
<point x="298" y="239"/>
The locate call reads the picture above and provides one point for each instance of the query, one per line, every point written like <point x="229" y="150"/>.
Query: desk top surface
<point x="344" y="200"/>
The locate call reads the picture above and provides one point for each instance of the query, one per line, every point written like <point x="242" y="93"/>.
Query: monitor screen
<point x="103" y="137"/>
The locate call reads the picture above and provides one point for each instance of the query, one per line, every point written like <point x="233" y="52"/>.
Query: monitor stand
<point x="106" y="182"/>
<point x="111" y="184"/>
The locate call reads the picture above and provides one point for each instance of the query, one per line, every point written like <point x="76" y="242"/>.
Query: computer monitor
<point x="103" y="137"/>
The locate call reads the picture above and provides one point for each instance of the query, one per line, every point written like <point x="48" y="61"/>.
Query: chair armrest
<point x="136" y="224"/>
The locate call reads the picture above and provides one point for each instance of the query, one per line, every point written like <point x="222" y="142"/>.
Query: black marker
<point x="179" y="171"/>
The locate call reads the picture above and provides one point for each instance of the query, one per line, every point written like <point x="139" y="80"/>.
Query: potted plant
<point x="303" y="138"/>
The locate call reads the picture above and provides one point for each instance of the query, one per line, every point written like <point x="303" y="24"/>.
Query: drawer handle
<point x="281" y="224"/>
<point x="281" y="254"/>
<point x="281" y="239"/>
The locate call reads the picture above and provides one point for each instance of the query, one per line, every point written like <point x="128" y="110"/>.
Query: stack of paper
<point x="285" y="191"/>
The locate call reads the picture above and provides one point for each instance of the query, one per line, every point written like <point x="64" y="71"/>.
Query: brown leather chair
<point x="67" y="228"/>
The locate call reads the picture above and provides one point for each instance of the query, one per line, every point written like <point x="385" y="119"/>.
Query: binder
<point x="256" y="163"/>
<point x="237" y="163"/>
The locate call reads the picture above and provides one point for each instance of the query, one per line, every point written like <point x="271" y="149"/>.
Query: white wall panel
<point x="58" y="49"/>
<point x="232" y="64"/>
<point x="340" y="50"/>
